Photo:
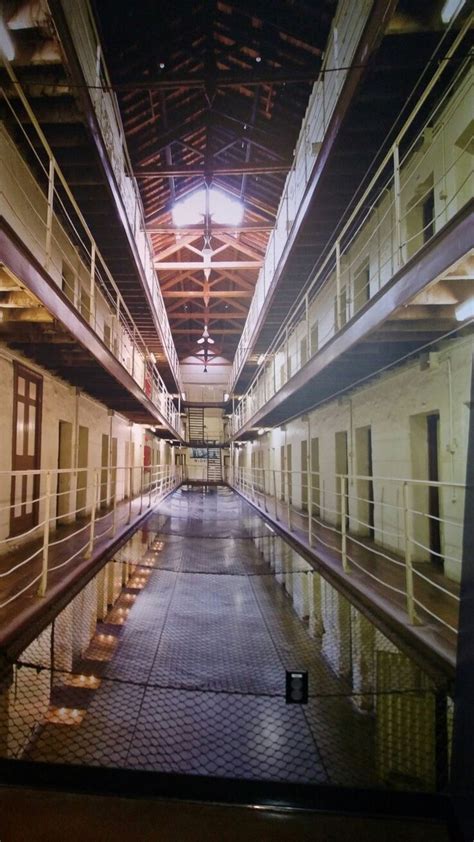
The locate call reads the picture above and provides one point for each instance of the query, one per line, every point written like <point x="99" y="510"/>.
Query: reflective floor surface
<point x="189" y="666"/>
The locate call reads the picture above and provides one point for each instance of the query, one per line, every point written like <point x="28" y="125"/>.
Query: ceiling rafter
<point x="239" y="245"/>
<point x="197" y="107"/>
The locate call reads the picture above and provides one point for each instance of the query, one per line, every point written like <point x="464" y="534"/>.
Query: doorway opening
<point x="64" y="480"/>
<point x="26" y="449"/>
<point x="342" y="468"/>
<point x="82" y="462"/>
<point x="365" y="484"/>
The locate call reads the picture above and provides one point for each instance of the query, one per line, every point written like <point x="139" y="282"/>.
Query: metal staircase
<point x="195" y="425"/>
<point x="214" y="465"/>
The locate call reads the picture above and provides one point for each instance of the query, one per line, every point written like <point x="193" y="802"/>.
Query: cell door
<point x="26" y="448"/>
<point x="342" y="468"/>
<point x="304" y="475"/>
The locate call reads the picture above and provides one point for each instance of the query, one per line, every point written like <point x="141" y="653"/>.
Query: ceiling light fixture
<point x="205" y="337"/>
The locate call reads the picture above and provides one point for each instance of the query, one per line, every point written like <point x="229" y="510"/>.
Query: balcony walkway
<point x="378" y="582"/>
<point x="22" y="617"/>
<point x="189" y="665"/>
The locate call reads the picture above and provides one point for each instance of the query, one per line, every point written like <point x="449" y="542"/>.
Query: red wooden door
<point x="26" y="448"/>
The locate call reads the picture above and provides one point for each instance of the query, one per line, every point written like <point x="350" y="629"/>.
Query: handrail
<point x="104" y="285"/>
<point x="112" y="493"/>
<point x="86" y="40"/>
<point x="346" y="30"/>
<point x="379" y="242"/>
<point x="314" y="505"/>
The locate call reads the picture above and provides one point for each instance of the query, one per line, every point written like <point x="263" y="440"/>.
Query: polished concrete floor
<point x="194" y="680"/>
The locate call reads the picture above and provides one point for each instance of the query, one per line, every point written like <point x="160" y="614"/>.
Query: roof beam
<point x="237" y="244"/>
<point x="231" y="293"/>
<point x="222" y="79"/>
<point x="248" y="227"/>
<point x="217" y="265"/>
<point x="236" y="169"/>
<point x="184" y="315"/>
<point x="179" y="244"/>
<point x="224" y="331"/>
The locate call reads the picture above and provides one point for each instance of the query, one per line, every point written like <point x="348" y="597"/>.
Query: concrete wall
<point x="24" y="206"/>
<point x="440" y="160"/>
<point x="391" y="406"/>
<point x="63" y="403"/>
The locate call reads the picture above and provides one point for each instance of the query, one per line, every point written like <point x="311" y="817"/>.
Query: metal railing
<point x="75" y="509"/>
<point x="86" y="40"/>
<point x="418" y="188"/>
<point x="78" y="693"/>
<point x="54" y="228"/>
<point x="346" y="31"/>
<point x="381" y="527"/>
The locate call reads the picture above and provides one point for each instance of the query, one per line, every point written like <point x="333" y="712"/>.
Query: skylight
<point x="223" y="209"/>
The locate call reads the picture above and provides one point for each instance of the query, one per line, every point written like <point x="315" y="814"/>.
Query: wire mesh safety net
<point x="173" y="659"/>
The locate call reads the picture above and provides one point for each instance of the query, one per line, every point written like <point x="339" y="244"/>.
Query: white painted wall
<point x="24" y="206"/>
<point x="388" y="405"/>
<point x="62" y="402"/>
<point x="442" y="156"/>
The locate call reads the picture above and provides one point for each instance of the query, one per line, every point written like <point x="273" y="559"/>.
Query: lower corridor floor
<point x="187" y="672"/>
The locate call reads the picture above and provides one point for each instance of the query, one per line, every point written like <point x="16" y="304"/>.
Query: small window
<point x="303" y="351"/>
<point x="428" y="216"/>
<point x="314" y="338"/>
<point x="338" y="326"/>
<point x="361" y="286"/>
<point x="282" y="374"/>
<point x="68" y="282"/>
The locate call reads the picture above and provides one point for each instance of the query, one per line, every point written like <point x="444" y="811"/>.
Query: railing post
<point x="92" y="286"/>
<point x="408" y="555"/>
<point x="150" y="486"/>
<point x="397" y="207"/>
<point x="345" y="565"/>
<point x="308" y="329"/>
<point x="130" y="494"/>
<point x="47" y="516"/>
<point x="288" y="497"/>
<point x="142" y="479"/>
<point x="95" y="493"/>
<point x="133" y="353"/>
<point x="309" y="474"/>
<point x="49" y="214"/>
<point x="114" y="506"/>
<point x="338" y="287"/>
<point x="275" y="493"/>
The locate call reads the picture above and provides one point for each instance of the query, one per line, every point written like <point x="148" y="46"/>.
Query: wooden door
<point x="26" y="448"/>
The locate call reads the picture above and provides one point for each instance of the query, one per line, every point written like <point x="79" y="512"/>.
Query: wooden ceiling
<point x="212" y="93"/>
